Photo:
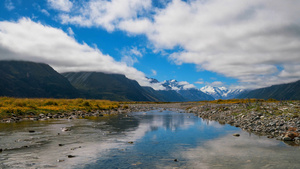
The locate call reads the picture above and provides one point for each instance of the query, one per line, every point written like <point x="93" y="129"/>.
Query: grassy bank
<point x="21" y="107"/>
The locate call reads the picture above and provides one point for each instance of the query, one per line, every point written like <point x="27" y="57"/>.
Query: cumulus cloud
<point x="254" y="41"/>
<point x="106" y="14"/>
<point x="62" y="5"/>
<point x="247" y="40"/>
<point x="28" y="40"/>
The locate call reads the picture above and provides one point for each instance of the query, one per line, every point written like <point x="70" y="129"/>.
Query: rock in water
<point x="236" y="134"/>
<point x="287" y="139"/>
<point x="66" y="129"/>
<point x="71" y="156"/>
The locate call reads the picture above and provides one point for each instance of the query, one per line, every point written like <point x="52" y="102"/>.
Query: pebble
<point x="236" y="134"/>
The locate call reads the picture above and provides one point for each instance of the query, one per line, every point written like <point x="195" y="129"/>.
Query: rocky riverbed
<point x="272" y="119"/>
<point x="278" y="119"/>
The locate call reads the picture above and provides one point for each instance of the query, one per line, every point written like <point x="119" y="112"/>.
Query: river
<point x="154" y="139"/>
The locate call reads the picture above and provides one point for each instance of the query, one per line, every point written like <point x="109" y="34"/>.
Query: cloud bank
<point x="28" y="40"/>
<point x="254" y="41"/>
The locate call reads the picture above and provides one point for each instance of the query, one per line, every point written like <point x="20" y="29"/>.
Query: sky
<point x="237" y="44"/>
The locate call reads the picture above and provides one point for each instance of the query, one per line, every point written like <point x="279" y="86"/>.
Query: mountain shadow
<point x="33" y="80"/>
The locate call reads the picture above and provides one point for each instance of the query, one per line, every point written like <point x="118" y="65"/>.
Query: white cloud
<point x="28" y="40"/>
<point x="154" y="73"/>
<point x="9" y="5"/>
<point x="136" y="52"/>
<point x="106" y="14"/>
<point x="216" y="84"/>
<point x="199" y="82"/>
<point x="128" y="60"/>
<point x="62" y="5"/>
<point x="186" y="85"/>
<point x="249" y="40"/>
<point x="70" y="31"/>
<point x="44" y="11"/>
<point x="246" y="40"/>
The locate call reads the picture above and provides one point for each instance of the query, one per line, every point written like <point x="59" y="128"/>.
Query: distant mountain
<point x="99" y="85"/>
<point x="221" y="92"/>
<point x="38" y="80"/>
<point x="289" y="91"/>
<point x="193" y="94"/>
<point x="184" y="89"/>
<point x="165" y="95"/>
<point x="33" y="80"/>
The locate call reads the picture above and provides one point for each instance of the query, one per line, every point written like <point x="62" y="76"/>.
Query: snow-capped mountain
<point x="186" y="90"/>
<point x="221" y="92"/>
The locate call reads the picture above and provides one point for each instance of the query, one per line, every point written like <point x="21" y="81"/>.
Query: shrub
<point x="86" y="104"/>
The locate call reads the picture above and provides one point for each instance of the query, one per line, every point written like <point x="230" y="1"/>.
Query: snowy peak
<point x="221" y="92"/>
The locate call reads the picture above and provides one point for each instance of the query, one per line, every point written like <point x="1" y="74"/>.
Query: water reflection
<point x="137" y="140"/>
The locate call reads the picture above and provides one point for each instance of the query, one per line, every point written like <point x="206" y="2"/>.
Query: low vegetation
<point x="22" y="107"/>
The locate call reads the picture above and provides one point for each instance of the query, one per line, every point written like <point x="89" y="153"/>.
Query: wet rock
<point x="130" y="142"/>
<point x="71" y="156"/>
<point x="61" y="145"/>
<point x="175" y="160"/>
<point x="31" y="131"/>
<point x="66" y="129"/>
<point x="287" y="139"/>
<point x="1" y="150"/>
<point x="236" y="134"/>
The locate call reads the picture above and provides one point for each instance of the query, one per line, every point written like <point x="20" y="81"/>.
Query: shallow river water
<point x="155" y="139"/>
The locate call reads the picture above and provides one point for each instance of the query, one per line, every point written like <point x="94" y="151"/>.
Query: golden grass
<point x="23" y="106"/>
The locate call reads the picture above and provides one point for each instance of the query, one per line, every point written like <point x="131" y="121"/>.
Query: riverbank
<point x="280" y="120"/>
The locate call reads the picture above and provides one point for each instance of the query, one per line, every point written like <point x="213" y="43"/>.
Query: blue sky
<point x="232" y="43"/>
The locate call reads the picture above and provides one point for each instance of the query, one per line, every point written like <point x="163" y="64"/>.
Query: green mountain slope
<point x="98" y="85"/>
<point x="33" y="80"/>
<point x="289" y="91"/>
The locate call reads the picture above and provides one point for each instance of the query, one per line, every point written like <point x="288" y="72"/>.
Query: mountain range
<point x="39" y="80"/>
<point x="221" y="92"/>
<point x="187" y="91"/>
<point x="289" y="91"/>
